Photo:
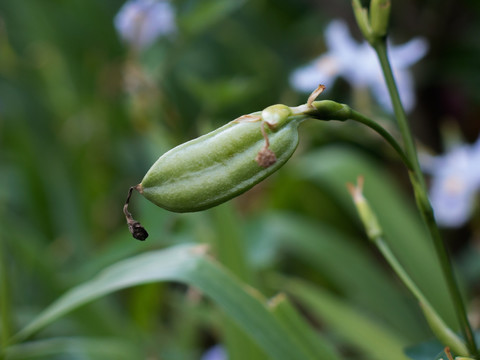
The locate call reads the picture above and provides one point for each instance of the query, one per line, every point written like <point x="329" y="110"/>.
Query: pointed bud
<point x="368" y="217"/>
<point x="361" y="14"/>
<point x="380" y="16"/>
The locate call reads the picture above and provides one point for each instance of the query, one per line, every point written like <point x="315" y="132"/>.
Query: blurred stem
<point x="421" y="197"/>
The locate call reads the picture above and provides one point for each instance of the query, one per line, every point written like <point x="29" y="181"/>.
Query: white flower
<point x="141" y="22"/>
<point x="455" y="182"/>
<point x="358" y="64"/>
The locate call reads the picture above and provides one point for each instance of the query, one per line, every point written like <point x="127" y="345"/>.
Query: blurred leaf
<point x="93" y="348"/>
<point x="230" y="248"/>
<point x="206" y="12"/>
<point x="432" y="349"/>
<point x="376" y="341"/>
<point x="350" y="267"/>
<point x="428" y="350"/>
<point x="221" y="91"/>
<point x="332" y="167"/>
<point x="185" y="263"/>
<point x="300" y="330"/>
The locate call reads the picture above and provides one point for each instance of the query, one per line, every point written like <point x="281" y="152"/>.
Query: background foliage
<point x="82" y="118"/>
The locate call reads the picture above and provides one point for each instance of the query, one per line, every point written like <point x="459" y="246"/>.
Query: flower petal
<point x="141" y="22"/>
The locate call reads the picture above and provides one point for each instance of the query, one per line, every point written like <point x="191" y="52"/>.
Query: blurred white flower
<point x="358" y="64"/>
<point x="455" y="182"/>
<point x="216" y="352"/>
<point x="141" y="22"/>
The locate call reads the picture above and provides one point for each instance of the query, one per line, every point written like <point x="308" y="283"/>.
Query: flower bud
<point x="368" y="217"/>
<point x="361" y="15"/>
<point x="380" y="16"/>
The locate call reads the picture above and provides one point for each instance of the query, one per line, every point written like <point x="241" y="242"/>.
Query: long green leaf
<point x="188" y="264"/>
<point x="299" y="329"/>
<point x="350" y="267"/>
<point x="370" y="337"/>
<point x="232" y="255"/>
<point x="332" y="167"/>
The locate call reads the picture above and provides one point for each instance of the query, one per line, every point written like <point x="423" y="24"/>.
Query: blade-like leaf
<point x="352" y="269"/>
<point x="299" y="329"/>
<point x="231" y="253"/>
<point x="188" y="264"/>
<point x="333" y="167"/>
<point x="370" y="337"/>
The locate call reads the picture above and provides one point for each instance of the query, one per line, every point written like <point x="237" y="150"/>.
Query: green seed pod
<point x="224" y="163"/>
<point x="218" y="166"/>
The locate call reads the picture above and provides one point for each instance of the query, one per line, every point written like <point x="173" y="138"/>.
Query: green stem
<point x="438" y="326"/>
<point x="330" y="110"/>
<point x="398" y="268"/>
<point x="410" y="150"/>
<point x="356" y="116"/>
<point x="423" y="203"/>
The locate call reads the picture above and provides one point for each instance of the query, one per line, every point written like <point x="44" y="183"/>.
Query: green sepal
<point x="329" y="110"/>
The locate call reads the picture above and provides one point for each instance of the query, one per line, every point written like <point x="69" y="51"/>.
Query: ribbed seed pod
<point x="224" y="163"/>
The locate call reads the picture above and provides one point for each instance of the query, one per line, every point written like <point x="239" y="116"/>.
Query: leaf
<point x="432" y="350"/>
<point x="350" y="267"/>
<point x="231" y="253"/>
<point x="93" y="348"/>
<point x="206" y="13"/>
<point x="332" y="167"/>
<point x="373" y="339"/>
<point x="428" y="350"/>
<point x="187" y="264"/>
<point x="299" y="329"/>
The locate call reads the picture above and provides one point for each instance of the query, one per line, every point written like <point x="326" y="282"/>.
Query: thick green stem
<point x="422" y="199"/>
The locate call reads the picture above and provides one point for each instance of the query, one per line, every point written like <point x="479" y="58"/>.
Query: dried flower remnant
<point x="135" y="228"/>
<point x="357" y="63"/>
<point x="140" y="22"/>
